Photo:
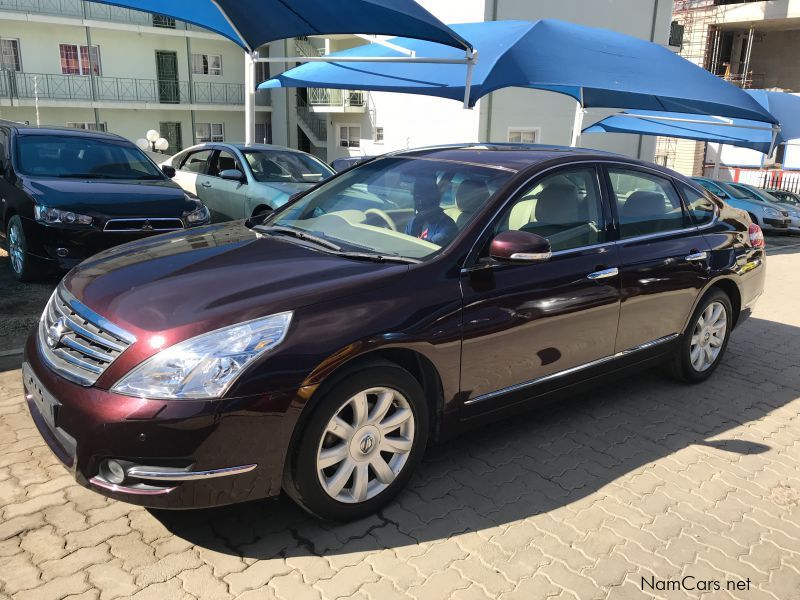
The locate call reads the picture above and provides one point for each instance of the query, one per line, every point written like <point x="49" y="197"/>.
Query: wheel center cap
<point x="365" y="443"/>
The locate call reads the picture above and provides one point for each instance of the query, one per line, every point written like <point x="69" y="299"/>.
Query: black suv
<point x="66" y="194"/>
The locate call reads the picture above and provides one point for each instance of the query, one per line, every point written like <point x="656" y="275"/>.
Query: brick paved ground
<point x="642" y="479"/>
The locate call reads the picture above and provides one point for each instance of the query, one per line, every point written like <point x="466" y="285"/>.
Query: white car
<point x="237" y="181"/>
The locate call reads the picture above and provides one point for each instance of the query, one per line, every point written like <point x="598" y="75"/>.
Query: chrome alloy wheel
<point x="708" y="336"/>
<point x="365" y="445"/>
<point x="15" y="251"/>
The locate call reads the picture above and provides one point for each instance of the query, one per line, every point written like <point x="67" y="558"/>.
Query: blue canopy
<point x="597" y="67"/>
<point x="251" y="23"/>
<point x="744" y="133"/>
<point x="735" y="132"/>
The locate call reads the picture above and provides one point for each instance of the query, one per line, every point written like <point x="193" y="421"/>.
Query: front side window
<point x="9" y="55"/>
<point x="564" y="207"/>
<point x="393" y="206"/>
<point x="646" y="204"/>
<point x="209" y="132"/>
<point x="206" y="64"/>
<point x="274" y="166"/>
<point x="350" y="136"/>
<point x="79" y="60"/>
<point x="197" y="162"/>
<point x="226" y="161"/>
<point x="82" y="158"/>
<point x="700" y="207"/>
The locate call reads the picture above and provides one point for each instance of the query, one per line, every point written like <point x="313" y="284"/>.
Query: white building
<point x="150" y="72"/>
<point x="143" y="72"/>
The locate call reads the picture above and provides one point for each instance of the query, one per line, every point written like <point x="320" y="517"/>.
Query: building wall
<point x="774" y="59"/>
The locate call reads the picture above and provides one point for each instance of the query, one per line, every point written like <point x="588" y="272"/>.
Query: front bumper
<point x="193" y="442"/>
<point x="779" y="224"/>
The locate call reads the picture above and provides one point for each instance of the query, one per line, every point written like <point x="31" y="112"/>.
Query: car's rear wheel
<point x="360" y="445"/>
<point x="705" y="339"/>
<point x="21" y="264"/>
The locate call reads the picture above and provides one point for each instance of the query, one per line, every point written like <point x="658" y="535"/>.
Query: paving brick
<point x="257" y="575"/>
<point x="56" y="589"/>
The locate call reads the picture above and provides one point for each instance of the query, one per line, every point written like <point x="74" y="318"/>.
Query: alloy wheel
<point x="365" y="445"/>
<point x="15" y="251"/>
<point x="708" y="336"/>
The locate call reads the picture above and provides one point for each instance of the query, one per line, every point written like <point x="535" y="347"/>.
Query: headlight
<point x="56" y="216"/>
<point x="771" y="212"/>
<point x="199" y="216"/>
<point x="205" y="366"/>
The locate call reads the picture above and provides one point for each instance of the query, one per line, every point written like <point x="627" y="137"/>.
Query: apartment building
<point x="335" y="123"/>
<point x="752" y="44"/>
<point x="88" y="65"/>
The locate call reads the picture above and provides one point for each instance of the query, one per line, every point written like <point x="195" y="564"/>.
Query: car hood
<point x="161" y="198"/>
<point x="278" y="193"/>
<point x="186" y="283"/>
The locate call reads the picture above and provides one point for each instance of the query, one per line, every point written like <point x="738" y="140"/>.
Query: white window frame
<point x="84" y="70"/>
<point x="19" y="53"/>
<point x="212" y="139"/>
<point x="380" y="135"/>
<point x="537" y="133"/>
<point x="207" y="62"/>
<point x="88" y="125"/>
<point x="348" y="143"/>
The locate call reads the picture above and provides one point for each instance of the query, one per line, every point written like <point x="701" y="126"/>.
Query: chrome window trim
<point x="571" y="370"/>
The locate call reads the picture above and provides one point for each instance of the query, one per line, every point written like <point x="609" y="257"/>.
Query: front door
<point x="664" y="258"/>
<point x="228" y="199"/>
<point x="167" y="75"/>
<point x="525" y="322"/>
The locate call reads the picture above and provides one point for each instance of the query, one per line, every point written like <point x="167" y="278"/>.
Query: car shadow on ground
<point x="533" y="464"/>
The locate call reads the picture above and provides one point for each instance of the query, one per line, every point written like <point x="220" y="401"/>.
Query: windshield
<point x="83" y="158"/>
<point x="786" y="197"/>
<point x="276" y="166"/>
<point x="735" y="192"/>
<point x="412" y="208"/>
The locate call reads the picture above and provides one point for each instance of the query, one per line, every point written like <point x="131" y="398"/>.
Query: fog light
<point x="62" y="252"/>
<point x="112" y="471"/>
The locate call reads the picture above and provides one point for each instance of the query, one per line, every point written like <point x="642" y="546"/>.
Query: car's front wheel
<point x="21" y="264"/>
<point x="360" y="445"/>
<point x="705" y="340"/>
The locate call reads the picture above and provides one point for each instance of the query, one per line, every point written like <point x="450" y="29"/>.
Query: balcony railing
<point x="81" y="9"/>
<point x="341" y="98"/>
<point x="120" y="89"/>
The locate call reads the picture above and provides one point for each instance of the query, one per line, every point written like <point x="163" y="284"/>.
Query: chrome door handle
<point x="206" y="184"/>
<point x="604" y="274"/>
<point x="697" y="257"/>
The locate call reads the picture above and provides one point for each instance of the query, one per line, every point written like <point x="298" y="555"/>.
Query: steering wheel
<point x="384" y="217"/>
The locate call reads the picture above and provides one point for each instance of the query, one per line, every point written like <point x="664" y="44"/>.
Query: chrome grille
<point x="138" y="225"/>
<point x="76" y="342"/>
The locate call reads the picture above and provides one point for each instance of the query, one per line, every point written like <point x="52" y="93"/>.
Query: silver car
<point x="237" y="181"/>
<point x="768" y="199"/>
<point x="769" y="217"/>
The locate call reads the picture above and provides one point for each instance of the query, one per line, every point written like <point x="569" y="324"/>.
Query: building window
<point x="350" y="136"/>
<point x="88" y="125"/>
<point x="206" y="64"/>
<point x="523" y="135"/>
<point x="75" y="60"/>
<point x="379" y="135"/>
<point x="164" y="22"/>
<point x="9" y="55"/>
<point x="172" y="132"/>
<point x="209" y="132"/>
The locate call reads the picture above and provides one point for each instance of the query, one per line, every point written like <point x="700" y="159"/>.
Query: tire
<point x="22" y="265"/>
<point x="350" y="487"/>
<point x="685" y="365"/>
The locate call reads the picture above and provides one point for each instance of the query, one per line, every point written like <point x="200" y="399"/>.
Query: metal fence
<point x="343" y="98"/>
<point x="774" y="179"/>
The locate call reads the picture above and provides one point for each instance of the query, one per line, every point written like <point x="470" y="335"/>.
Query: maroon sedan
<point x="320" y="350"/>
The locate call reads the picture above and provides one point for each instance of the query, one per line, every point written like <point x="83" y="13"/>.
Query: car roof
<point x="513" y="157"/>
<point x="242" y="146"/>
<point x="24" y="129"/>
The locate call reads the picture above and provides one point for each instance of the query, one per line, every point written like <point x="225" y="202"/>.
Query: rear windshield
<point x="82" y="158"/>
<point x="275" y="166"/>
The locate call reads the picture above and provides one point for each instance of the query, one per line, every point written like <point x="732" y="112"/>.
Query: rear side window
<point x="646" y="203"/>
<point x="196" y="162"/>
<point x="700" y="207"/>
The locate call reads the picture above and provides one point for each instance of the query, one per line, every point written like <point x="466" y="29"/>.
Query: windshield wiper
<point x="300" y="234"/>
<point x="374" y="257"/>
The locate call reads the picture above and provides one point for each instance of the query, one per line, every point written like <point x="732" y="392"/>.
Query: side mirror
<point x="520" y="246"/>
<point x="168" y="171"/>
<point x="233" y="175"/>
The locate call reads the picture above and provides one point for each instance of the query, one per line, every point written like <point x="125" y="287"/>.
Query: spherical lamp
<point x="162" y="144"/>
<point x="152" y="136"/>
<point x="143" y="144"/>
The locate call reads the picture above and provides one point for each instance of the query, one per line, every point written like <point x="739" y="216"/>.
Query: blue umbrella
<point x="597" y="67"/>
<point x="735" y="132"/>
<point x="251" y="23"/>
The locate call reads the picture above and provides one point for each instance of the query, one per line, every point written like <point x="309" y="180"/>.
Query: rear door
<point x="663" y="255"/>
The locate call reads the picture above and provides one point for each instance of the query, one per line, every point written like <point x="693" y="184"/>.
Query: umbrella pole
<point x="577" y="125"/>
<point x="717" y="160"/>
<point x="472" y="57"/>
<point x="249" y="98"/>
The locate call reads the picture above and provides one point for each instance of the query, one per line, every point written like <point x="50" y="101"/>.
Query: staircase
<point x="314" y="126"/>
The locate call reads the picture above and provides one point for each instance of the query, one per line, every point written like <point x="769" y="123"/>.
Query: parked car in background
<point x="768" y="199"/>
<point x="237" y="181"/>
<point x="340" y="164"/>
<point x="785" y="197"/>
<point x="318" y="353"/>
<point x="68" y="194"/>
<point x="769" y="218"/>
